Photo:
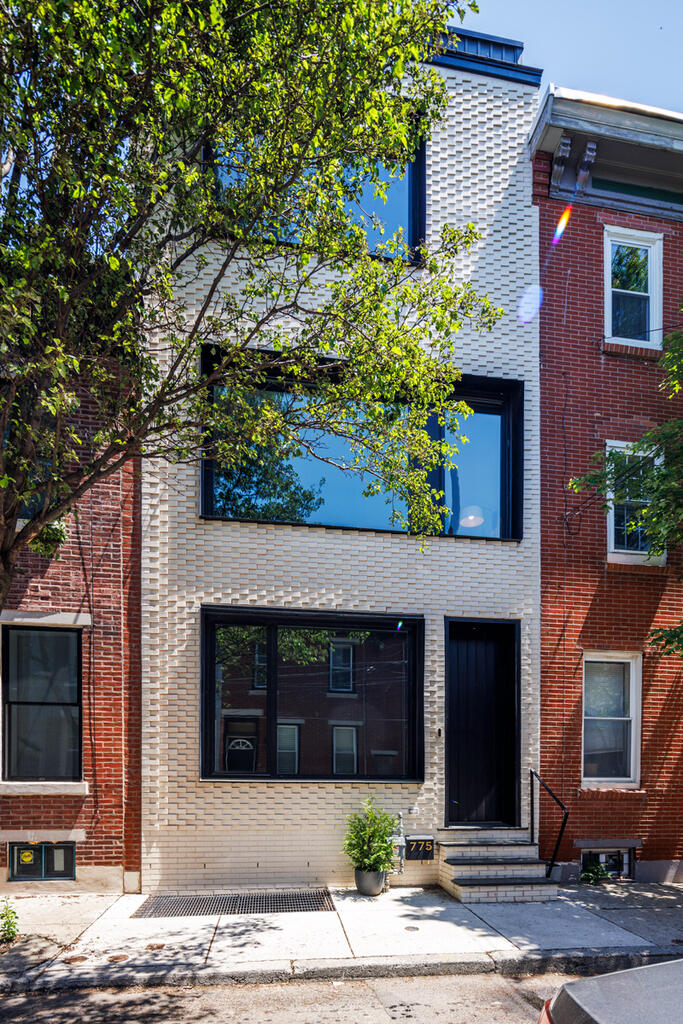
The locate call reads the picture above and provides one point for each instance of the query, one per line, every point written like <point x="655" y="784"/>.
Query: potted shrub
<point x="368" y="846"/>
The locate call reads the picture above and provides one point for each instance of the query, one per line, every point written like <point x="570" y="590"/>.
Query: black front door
<point x="482" y="722"/>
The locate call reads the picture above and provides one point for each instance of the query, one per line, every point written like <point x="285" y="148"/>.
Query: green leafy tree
<point x="655" y="477"/>
<point x="177" y="177"/>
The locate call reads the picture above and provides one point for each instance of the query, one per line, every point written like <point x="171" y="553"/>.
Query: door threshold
<point x="484" y="827"/>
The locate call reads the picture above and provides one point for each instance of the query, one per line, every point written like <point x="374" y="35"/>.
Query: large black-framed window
<point x="297" y="728"/>
<point x="41" y="687"/>
<point x="403" y="206"/>
<point x="484" y="490"/>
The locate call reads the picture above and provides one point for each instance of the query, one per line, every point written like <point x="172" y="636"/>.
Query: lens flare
<point x="530" y="303"/>
<point x="562" y="223"/>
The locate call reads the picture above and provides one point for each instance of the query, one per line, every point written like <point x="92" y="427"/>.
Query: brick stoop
<point x="482" y="868"/>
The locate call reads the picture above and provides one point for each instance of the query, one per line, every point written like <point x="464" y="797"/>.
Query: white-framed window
<point x="288" y="749"/>
<point x="627" y="541"/>
<point x="611" y="719"/>
<point x="633" y="287"/>
<point x="260" y="665"/>
<point x="344" y="750"/>
<point x="341" y="666"/>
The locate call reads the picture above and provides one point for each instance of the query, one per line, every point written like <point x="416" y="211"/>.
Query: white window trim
<point x="350" y="646"/>
<point x="643" y="239"/>
<point x="617" y="556"/>
<point x="635" y="699"/>
<point x="278" y="751"/>
<point x="354" y="731"/>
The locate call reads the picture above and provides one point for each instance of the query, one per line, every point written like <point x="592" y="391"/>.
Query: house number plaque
<point x="419" y="847"/>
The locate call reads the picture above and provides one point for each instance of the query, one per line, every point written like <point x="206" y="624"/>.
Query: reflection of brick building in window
<point x="342" y="699"/>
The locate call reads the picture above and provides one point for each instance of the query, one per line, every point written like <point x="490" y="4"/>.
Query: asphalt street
<point x="480" y="999"/>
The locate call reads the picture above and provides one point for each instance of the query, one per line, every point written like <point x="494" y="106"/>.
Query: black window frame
<point x="415" y="230"/>
<point x="485" y="394"/>
<point x="217" y="615"/>
<point x="7" y="704"/>
<point x="44" y="848"/>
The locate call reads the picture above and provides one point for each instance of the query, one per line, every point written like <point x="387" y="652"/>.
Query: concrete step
<point x="506" y="880"/>
<point x="511" y="889"/>
<point x="486" y="851"/>
<point x="494" y="873"/>
<point x="497" y="864"/>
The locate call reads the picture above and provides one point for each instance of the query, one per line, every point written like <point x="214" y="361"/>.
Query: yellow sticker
<point x="27" y="856"/>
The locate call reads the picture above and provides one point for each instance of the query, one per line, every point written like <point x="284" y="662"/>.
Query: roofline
<point x="611" y="117"/>
<point x="614" y="103"/>
<point x="479" y="64"/>
<point x="462" y="30"/>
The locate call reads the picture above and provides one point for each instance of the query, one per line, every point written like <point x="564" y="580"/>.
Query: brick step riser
<point x="494" y="894"/>
<point x="451" y="853"/>
<point x="500" y="871"/>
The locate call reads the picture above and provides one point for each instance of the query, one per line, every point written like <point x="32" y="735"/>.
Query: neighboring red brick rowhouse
<point x="592" y="391"/>
<point x="96" y="575"/>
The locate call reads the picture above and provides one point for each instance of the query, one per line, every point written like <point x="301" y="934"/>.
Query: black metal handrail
<point x="565" y="815"/>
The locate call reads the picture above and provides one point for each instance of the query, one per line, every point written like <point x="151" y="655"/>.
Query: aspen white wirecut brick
<point x="203" y="834"/>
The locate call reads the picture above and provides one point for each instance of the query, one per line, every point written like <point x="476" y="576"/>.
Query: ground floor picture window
<point x="41" y="672"/>
<point x="313" y="696"/>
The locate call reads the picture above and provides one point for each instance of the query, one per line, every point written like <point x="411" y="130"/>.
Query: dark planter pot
<point x="370" y="883"/>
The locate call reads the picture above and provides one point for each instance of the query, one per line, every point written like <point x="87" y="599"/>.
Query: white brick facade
<point x="207" y="834"/>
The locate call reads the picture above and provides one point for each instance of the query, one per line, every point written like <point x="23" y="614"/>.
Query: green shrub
<point x="594" y="874"/>
<point x="9" y="927"/>
<point x="368" y="843"/>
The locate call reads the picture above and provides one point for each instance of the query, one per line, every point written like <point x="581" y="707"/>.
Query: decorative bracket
<point x="560" y="160"/>
<point x="586" y="163"/>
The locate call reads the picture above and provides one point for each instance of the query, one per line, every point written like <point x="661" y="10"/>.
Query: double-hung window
<point x="41" y="671"/>
<point x="627" y="540"/>
<point x="611" y="719"/>
<point x="633" y="287"/>
<point x="342" y="696"/>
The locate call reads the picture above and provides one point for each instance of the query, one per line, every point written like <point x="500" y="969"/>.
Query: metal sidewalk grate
<point x="257" y="902"/>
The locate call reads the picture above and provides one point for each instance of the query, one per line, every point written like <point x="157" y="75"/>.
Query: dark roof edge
<point x="488" y="66"/>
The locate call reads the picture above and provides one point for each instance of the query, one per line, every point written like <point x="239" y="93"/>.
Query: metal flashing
<point x="453" y="59"/>
<point x="494" y="56"/>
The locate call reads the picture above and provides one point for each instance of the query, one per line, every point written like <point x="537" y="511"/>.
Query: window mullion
<point x="271" y="700"/>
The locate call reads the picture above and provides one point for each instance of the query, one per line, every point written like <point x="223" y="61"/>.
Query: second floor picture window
<point x="42" y="704"/>
<point x="483" y="490"/>
<point x="633" y="287"/>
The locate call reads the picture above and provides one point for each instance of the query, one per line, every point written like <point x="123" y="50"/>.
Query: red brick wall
<point x="97" y="573"/>
<point x="591" y="392"/>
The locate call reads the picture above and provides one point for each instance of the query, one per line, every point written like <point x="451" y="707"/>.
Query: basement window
<point x="617" y="863"/>
<point x="34" y="862"/>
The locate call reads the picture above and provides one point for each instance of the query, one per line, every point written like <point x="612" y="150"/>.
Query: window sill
<point x="296" y="779"/>
<point x="44" y="789"/>
<point x="587" y="786"/>
<point x="646" y="568"/>
<point x="207" y="517"/>
<point x="618" y="348"/>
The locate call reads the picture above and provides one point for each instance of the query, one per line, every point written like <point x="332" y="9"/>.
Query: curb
<point x="577" y="961"/>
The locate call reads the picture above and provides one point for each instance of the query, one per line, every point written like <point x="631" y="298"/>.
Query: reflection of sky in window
<point x="472" y="490"/>
<point x="392" y="213"/>
<point x="344" y="503"/>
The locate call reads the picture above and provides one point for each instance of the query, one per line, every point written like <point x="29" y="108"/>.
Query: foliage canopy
<point x="657" y="476"/>
<point x="177" y="177"/>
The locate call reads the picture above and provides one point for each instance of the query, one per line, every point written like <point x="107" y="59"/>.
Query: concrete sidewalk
<point x="86" y="941"/>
